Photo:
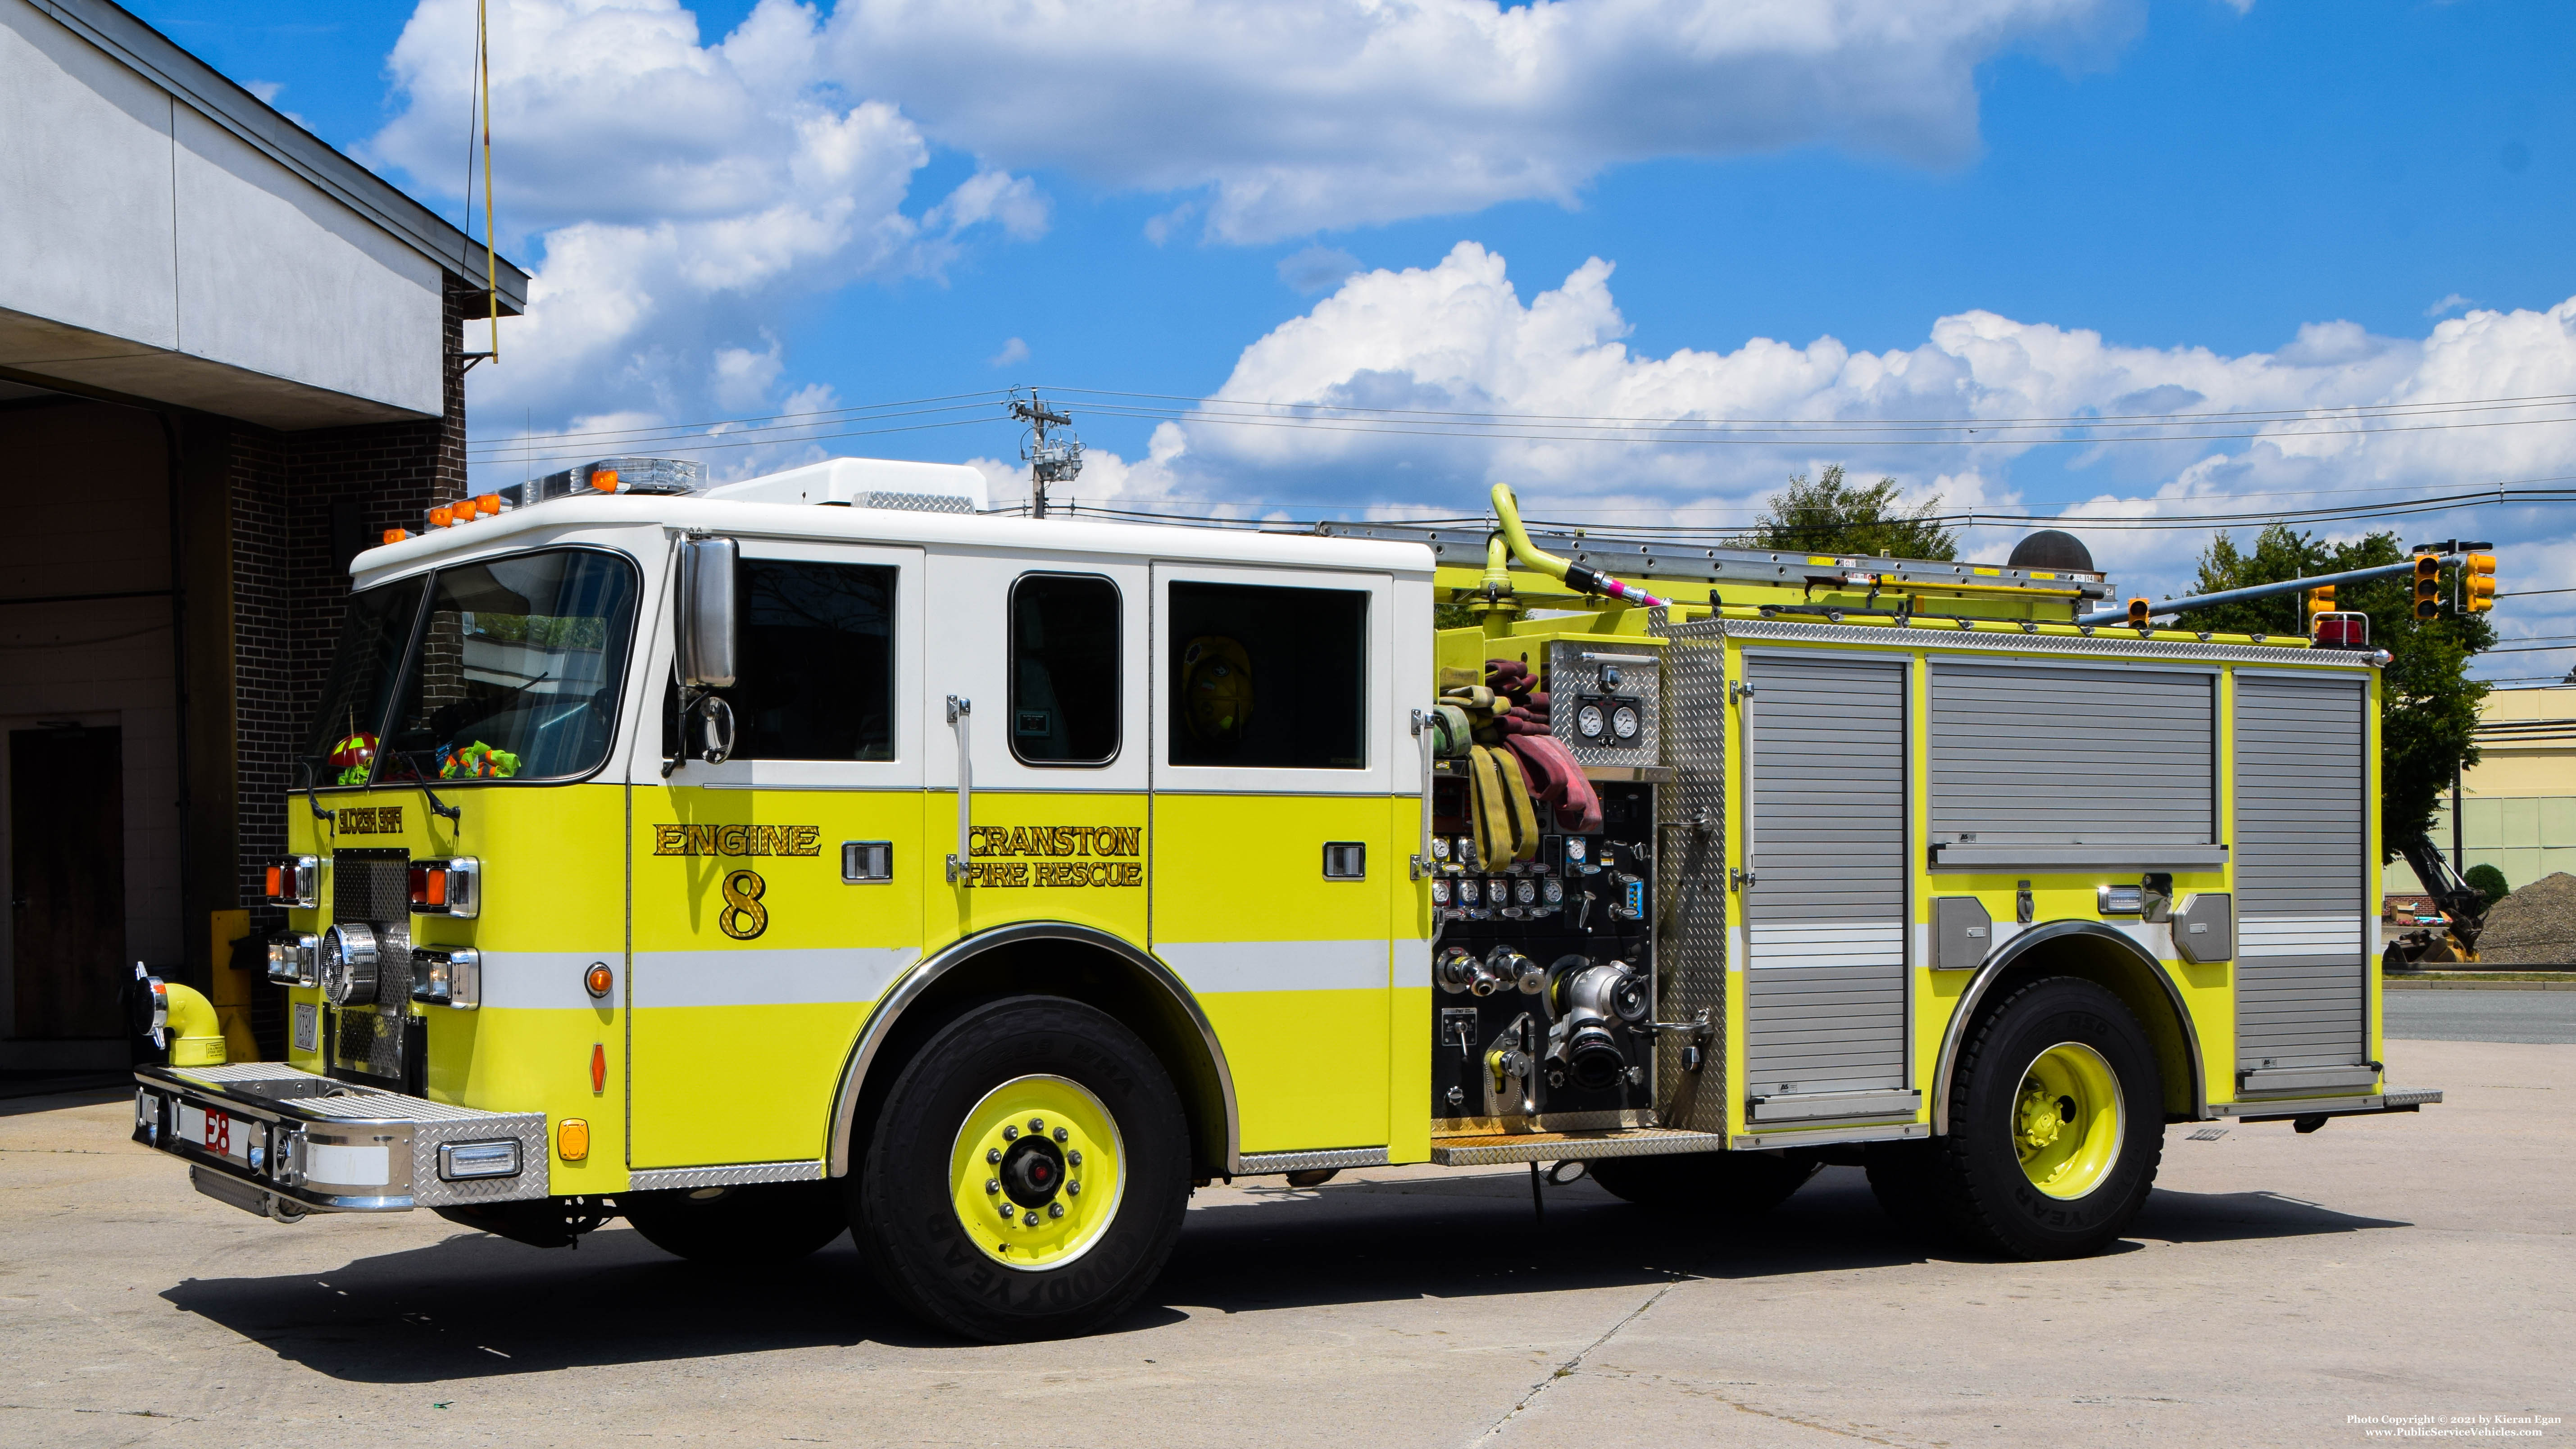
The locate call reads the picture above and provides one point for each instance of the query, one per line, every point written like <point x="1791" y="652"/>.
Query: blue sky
<point x="2194" y="182"/>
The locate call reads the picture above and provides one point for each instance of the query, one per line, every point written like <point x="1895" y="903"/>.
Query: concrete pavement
<point x="2276" y="1285"/>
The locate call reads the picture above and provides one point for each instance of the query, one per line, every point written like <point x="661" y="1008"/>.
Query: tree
<point x="2428" y="706"/>
<point x="1831" y="515"/>
<point x="2489" y="881"/>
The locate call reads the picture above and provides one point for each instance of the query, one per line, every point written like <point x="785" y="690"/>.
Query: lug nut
<point x="1074" y="1157"/>
<point x="1032" y="1218"/>
<point x="1061" y="1134"/>
<point x="992" y="1154"/>
<point x="1055" y="1209"/>
<point x="1010" y="1134"/>
<point x="1009" y="1212"/>
<point x="1073" y="1188"/>
<point x="1037" y="1124"/>
<point x="992" y="1185"/>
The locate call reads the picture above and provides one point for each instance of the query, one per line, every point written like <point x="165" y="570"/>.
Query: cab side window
<point x="1271" y="678"/>
<point x="1064" y="669"/>
<point x="816" y="679"/>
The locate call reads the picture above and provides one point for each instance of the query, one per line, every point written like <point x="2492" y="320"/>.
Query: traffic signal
<point x="2137" y="613"/>
<point x="2428" y="586"/>
<point x="2320" y="601"/>
<point x="2478" y="584"/>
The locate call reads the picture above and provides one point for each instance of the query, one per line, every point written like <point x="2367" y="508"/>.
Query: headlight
<point x="349" y="965"/>
<point x="1552" y="890"/>
<point x="291" y="958"/>
<point x="1623" y="722"/>
<point x="452" y="976"/>
<point x="1588" y="722"/>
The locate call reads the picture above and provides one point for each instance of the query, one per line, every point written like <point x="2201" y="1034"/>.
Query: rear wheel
<point x="1721" y="1184"/>
<point x="2056" y="1127"/>
<point x="1027" y="1174"/>
<point x="770" y="1222"/>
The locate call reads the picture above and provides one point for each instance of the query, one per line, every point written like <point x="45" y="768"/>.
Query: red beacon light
<point x="2341" y="630"/>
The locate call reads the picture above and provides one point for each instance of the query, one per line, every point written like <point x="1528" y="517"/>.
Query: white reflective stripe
<point x="833" y="975"/>
<point x="1413" y="963"/>
<point x="1824" y="943"/>
<point x="2300" y="935"/>
<point x="347" y="1166"/>
<point x="1210" y="966"/>
<point x="543" y="980"/>
<point x="1922" y="943"/>
<point x="1734" y="948"/>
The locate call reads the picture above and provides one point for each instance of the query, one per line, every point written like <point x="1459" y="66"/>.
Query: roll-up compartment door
<point x="1825" y="978"/>
<point x="2302" y="881"/>
<point x="2050" y="756"/>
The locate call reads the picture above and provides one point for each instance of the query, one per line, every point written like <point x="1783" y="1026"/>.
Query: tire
<point x="2056" y="1127"/>
<point x="1737" y="1185"/>
<point x="777" y="1222"/>
<point x="1045" y="1093"/>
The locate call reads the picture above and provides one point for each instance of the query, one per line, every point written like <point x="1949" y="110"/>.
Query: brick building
<point x="230" y="357"/>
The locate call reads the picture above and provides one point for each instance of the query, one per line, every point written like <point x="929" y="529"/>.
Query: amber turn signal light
<point x="599" y="981"/>
<point x="572" y="1139"/>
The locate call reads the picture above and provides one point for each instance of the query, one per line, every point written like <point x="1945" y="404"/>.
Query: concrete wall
<point x="147" y="250"/>
<point x="2518" y="802"/>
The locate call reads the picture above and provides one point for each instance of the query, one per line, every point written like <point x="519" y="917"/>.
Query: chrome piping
<point x="891" y="1006"/>
<point x="2012" y="951"/>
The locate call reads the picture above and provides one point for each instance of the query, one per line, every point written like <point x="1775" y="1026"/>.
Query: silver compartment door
<point x="1824" y="920"/>
<point x="2303" y="938"/>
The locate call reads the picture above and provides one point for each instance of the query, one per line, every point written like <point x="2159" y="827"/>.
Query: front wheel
<point x="2056" y="1124"/>
<point x="1027" y="1175"/>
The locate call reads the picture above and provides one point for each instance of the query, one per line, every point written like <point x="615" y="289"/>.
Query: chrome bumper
<point x="281" y="1142"/>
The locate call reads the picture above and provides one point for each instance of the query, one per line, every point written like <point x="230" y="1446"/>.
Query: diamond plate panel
<point x="1556" y="1147"/>
<point x="1569" y="676"/>
<point x="528" y="1129"/>
<point x="1257" y="1163"/>
<point x="738" y="1174"/>
<point x="1690" y="934"/>
<point x="373" y="887"/>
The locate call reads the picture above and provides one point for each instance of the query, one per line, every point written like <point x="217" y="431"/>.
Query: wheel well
<point x="1079" y="971"/>
<point x="2098" y="954"/>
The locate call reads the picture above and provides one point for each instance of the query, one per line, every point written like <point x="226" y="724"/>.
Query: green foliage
<point x="2489" y="881"/>
<point x="2428" y="712"/>
<point x="1831" y="515"/>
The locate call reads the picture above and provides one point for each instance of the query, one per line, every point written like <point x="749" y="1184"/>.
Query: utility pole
<point x="1050" y="460"/>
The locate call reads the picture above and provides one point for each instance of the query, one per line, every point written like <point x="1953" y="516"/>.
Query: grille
<point x="373" y="887"/>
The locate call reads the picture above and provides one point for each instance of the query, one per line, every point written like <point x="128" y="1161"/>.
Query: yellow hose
<point x="1574" y="575"/>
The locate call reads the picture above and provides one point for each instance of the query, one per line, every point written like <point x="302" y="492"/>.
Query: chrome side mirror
<point x="707" y="628"/>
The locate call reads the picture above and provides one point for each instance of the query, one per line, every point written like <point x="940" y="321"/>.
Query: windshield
<point x="512" y="673"/>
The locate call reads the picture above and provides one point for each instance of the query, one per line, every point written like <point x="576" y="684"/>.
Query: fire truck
<point x="818" y="854"/>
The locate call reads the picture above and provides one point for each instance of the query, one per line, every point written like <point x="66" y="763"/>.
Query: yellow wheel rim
<point x="2068" y="1119"/>
<point x="1037" y="1172"/>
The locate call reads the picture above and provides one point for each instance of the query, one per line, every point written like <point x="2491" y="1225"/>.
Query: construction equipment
<point x="2462" y="908"/>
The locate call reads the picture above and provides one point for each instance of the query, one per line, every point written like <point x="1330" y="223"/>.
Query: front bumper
<point x="275" y="1140"/>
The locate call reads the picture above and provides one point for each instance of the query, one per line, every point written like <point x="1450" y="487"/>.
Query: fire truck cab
<point x="807" y="855"/>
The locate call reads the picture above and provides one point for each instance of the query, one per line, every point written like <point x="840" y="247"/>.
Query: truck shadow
<point x="475" y="1306"/>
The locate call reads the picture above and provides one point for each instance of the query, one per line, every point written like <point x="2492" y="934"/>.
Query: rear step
<point x="1488" y="1149"/>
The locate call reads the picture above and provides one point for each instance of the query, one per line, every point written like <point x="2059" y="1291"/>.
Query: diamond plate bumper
<point x="275" y="1140"/>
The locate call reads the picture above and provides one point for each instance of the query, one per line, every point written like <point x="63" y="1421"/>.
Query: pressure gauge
<point x="1575" y="849"/>
<point x="1439" y="890"/>
<point x="1440" y="848"/>
<point x="1471" y="891"/>
<point x="1525" y="890"/>
<point x="1623" y="722"/>
<point x="1588" y="722"/>
<point x="1467" y="852"/>
<point x="1552" y="890"/>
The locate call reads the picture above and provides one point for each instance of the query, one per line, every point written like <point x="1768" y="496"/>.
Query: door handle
<point x="960" y="710"/>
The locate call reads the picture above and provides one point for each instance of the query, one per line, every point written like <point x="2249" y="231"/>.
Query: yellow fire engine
<point x="812" y="854"/>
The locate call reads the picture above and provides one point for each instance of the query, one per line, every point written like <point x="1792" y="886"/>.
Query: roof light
<point x="604" y="479"/>
<point x="2346" y="630"/>
<point x="489" y="505"/>
<point x="442" y="517"/>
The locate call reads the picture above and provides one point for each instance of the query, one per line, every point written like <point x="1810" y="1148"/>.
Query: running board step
<point x="1487" y="1150"/>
